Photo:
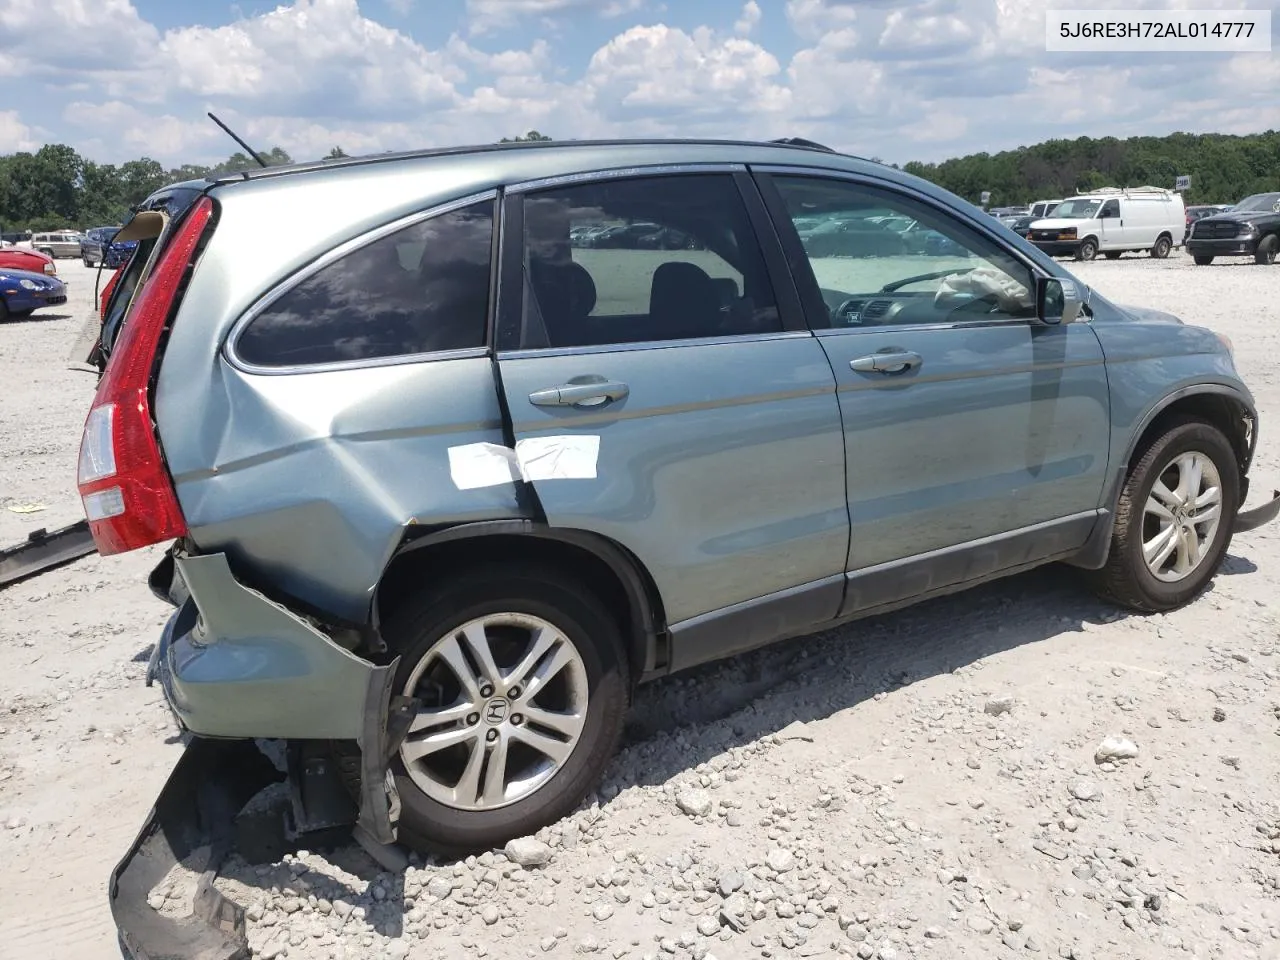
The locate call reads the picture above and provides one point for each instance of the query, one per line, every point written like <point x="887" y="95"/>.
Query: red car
<point x="20" y="258"/>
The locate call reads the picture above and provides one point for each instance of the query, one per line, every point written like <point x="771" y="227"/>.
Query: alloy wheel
<point x="1181" y="517"/>
<point x="505" y="705"/>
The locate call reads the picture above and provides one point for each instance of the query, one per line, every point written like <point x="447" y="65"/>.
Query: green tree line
<point x="56" y="188"/>
<point x="1223" y="169"/>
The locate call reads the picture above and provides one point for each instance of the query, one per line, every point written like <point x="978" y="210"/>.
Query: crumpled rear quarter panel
<point x="310" y="479"/>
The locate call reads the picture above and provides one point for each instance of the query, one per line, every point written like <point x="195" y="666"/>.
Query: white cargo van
<point x="1113" y="221"/>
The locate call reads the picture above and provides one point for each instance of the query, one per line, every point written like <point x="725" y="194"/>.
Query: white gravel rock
<point x="528" y="852"/>
<point x="1115" y="748"/>
<point x="695" y="802"/>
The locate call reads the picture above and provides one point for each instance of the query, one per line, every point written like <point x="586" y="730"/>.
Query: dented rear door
<point x="671" y="400"/>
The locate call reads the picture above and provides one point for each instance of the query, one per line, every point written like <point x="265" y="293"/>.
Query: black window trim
<point x="807" y="282"/>
<point x="230" y="344"/>
<point x="512" y="289"/>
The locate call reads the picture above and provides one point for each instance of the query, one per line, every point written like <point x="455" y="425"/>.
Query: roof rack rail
<point x="802" y="142"/>
<point x="1125" y="191"/>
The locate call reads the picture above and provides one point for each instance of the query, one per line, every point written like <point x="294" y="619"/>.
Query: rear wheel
<point x="46" y="251"/>
<point x="524" y="683"/>
<point x="1202" y="261"/>
<point x="1087" y="250"/>
<point x="1162" y="248"/>
<point x="1173" y="523"/>
<point x="1266" y="252"/>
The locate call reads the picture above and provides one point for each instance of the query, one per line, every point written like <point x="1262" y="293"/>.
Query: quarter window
<point x="645" y="259"/>
<point x="422" y="289"/>
<point x="883" y="259"/>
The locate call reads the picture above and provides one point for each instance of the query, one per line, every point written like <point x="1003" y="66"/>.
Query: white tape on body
<point x="558" y="458"/>
<point x="569" y="457"/>
<point x="477" y="465"/>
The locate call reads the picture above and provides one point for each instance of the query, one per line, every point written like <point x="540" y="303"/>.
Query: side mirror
<point x="1058" y="300"/>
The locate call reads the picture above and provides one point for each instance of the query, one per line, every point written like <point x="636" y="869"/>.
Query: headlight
<point x="1247" y="229"/>
<point x="50" y="269"/>
<point x="28" y="284"/>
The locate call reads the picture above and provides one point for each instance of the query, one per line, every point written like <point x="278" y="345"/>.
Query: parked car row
<point x="1112" y="221"/>
<point x="631" y="236"/>
<point x="22" y="258"/>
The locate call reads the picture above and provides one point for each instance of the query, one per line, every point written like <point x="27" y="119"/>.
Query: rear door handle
<point x="897" y="361"/>
<point x="576" y="394"/>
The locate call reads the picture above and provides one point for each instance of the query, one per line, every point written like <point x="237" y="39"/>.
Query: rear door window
<point x="645" y="259"/>
<point x="422" y="289"/>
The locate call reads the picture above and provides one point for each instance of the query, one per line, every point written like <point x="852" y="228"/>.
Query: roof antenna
<point x="231" y="134"/>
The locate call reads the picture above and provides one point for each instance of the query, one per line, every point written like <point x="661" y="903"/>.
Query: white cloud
<point x="317" y="57"/>
<point x="664" y="69"/>
<point x="812" y="19"/>
<point x="488" y="15"/>
<point x="749" y="20"/>
<point x="16" y="135"/>
<point x="99" y="35"/>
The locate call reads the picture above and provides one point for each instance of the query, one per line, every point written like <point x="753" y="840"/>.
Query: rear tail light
<point x="127" y="493"/>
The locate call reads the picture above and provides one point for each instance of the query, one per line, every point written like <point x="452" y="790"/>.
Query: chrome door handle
<point x="897" y="361"/>
<point x="575" y="394"/>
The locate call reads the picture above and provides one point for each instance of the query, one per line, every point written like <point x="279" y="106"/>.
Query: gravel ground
<point x="1019" y="770"/>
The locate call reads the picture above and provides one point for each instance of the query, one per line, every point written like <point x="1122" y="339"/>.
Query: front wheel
<point x="1087" y="250"/>
<point x="524" y="683"/>
<point x="1202" y="261"/>
<point x="1162" y="248"/>
<point x="1173" y="523"/>
<point x="1266" y="252"/>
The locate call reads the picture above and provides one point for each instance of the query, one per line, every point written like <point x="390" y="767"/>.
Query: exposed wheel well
<point x="636" y="606"/>
<point x="1228" y="415"/>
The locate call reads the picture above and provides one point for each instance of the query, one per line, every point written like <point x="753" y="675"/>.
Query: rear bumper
<point x="1258" y="516"/>
<point x="1231" y="247"/>
<point x="234" y="664"/>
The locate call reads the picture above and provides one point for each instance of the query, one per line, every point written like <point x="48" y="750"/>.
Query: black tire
<point x="4" y="310"/>
<point x="1088" y="249"/>
<point x="1202" y="260"/>
<point x="1267" y="248"/>
<point x="1112" y="254"/>
<point x="1126" y="579"/>
<point x="428" y="825"/>
<point x="1162" y="247"/>
<point x="86" y="261"/>
<point x="47" y="252"/>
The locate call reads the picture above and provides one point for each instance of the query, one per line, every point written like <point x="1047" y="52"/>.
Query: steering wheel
<point x="841" y="312"/>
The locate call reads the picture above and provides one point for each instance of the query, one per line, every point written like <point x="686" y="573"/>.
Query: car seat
<point x="684" y="302"/>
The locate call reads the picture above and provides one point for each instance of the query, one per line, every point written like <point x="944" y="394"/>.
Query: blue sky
<point x="896" y="79"/>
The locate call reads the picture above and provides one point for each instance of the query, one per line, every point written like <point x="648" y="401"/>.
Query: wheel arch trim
<point x="648" y="628"/>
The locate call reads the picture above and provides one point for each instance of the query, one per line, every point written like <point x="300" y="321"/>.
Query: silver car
<point x="444" y="486"/>
<point x="60" y="244"/>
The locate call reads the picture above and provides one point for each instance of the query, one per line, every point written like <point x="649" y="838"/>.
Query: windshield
<point x="1259" y="201"/>
<point x="1077" y="209"/>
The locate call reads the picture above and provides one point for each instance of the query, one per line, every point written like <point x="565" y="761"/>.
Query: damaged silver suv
<point x="445" y="484"/>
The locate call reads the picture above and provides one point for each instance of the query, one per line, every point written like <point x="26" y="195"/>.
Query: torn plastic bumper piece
<point x="1258" y="516"/>
<point x="211" y="782"/>
<point x="237" y="668"/>
<point x="44" y="549"/>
